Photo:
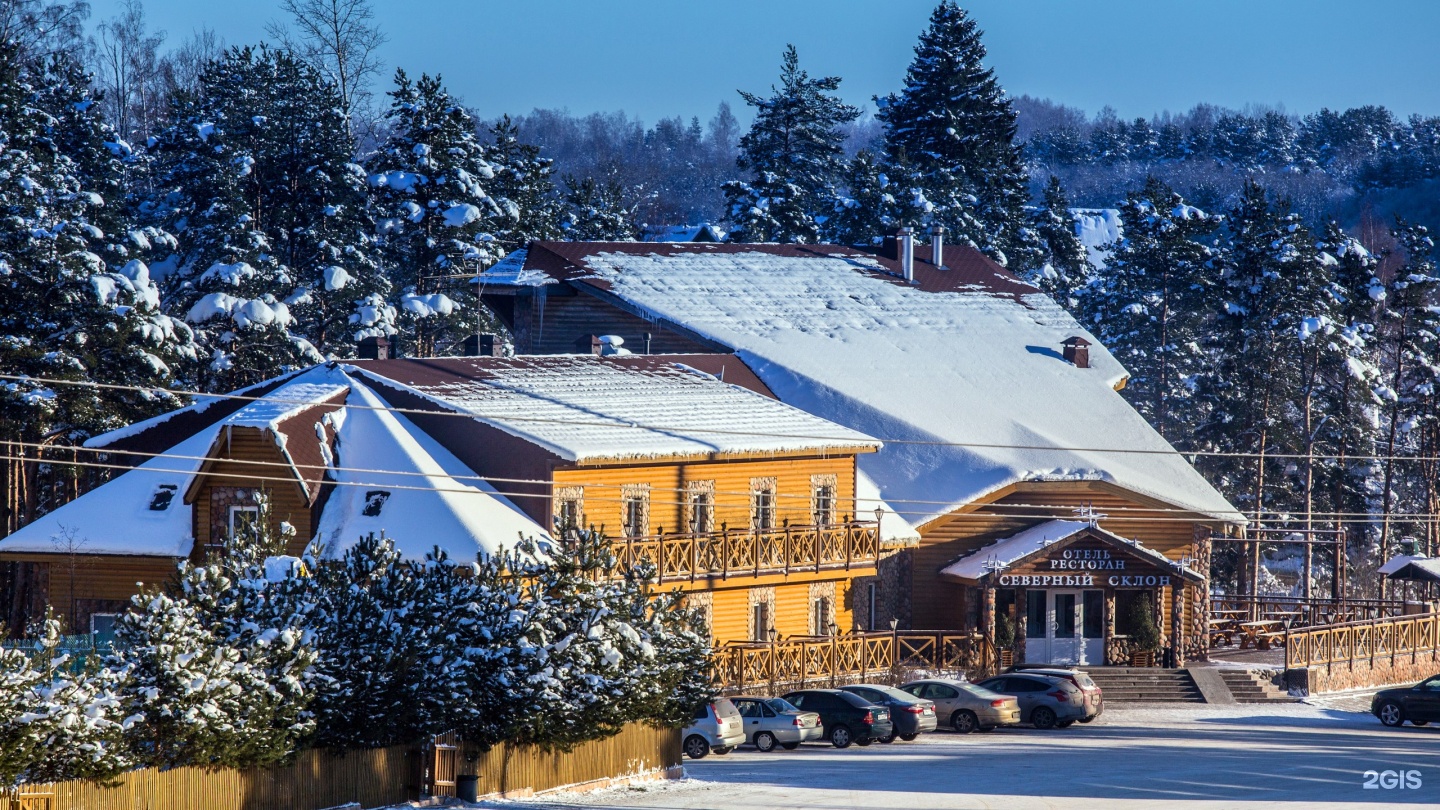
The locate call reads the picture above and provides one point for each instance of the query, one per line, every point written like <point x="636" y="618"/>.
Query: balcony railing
<point x="1385" y="638"/>
<point x="1313" y="612"/>
<point x="747" y="552"/>
<point x="820" y="660"/>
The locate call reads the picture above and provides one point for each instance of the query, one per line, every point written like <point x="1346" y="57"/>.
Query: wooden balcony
<point x="745" y="552"/>
<point x="820" y="660"/>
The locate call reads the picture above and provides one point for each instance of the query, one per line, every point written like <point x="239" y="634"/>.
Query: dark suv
<point x="847" y="717"/>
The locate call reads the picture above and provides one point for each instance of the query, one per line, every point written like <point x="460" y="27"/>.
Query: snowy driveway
<point x="1238" y="756"/>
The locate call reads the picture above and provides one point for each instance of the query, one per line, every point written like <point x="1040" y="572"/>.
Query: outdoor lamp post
<point x="879" y="515"/>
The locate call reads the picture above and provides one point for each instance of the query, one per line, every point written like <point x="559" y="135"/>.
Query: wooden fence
<point x="1312" y="612"/>
<point x="827" y="660"/>
<point x="373" y="778"/>
<point x="1371" y="641"/>
<point x="783" y="550"/>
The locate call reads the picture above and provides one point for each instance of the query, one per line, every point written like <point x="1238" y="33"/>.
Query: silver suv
<point x="1045" y="701"/>
<point x="717" y="728"/>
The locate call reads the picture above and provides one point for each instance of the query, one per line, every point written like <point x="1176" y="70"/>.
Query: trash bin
<point x="467" y="788"/>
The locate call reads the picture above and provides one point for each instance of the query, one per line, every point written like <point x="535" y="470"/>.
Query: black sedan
<point x="909" y="714"/>
<point x="847" y="718"/>
<point x="1420" y="704"/>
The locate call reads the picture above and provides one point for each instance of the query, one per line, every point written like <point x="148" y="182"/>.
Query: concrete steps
<point x="1146" y="685"/>
<point x="1246" y="687"/>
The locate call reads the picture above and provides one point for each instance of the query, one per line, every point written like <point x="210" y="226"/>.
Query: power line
<point x="617" y="422"/>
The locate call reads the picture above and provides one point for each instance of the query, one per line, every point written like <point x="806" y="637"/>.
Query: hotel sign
<point x="1086" y="566"/>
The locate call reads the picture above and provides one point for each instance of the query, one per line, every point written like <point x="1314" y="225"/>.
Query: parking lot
<point x="1287" y="755"/>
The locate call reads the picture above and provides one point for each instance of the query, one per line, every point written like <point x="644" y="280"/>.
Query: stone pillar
<point x="1177" y="630"/>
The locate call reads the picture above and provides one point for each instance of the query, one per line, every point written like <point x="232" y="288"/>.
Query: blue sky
<point x="654" y="58"/>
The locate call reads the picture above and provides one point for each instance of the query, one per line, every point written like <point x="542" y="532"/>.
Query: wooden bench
<point x="1265" y="640"/>
<point x="1222" y="630"/>
<point x="1251" y="632"/>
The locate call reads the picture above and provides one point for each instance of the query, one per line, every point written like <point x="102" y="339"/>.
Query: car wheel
<point x="696" y="747"/>
<point x="723" y="750"/>
<point x="765" y="742"/>
<point x="789" y="746"/>
<point x="840" y="737"/>
<point x="909" y="737"/>
<point x="1065" y="724"/>
<point x="889" y="739"/>
<point x="964" y="721"/>
<point x="1391" y="714"/>
<point x="1043" y="717"/>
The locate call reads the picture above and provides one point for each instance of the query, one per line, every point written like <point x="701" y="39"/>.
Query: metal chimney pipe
<point x="906" y="237"/>
<point x="937" y="246"/>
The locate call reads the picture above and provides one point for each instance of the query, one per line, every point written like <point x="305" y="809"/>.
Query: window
<point x="1094" y="614"/>
<point x="1035" y="614"/>
<point x="102" y="626"/>
<point x="1126" y="603"/>
<point x="161" y="498"/>
<point x="569" y="508"/>
<point x="872" y="594"/>
<point x="760" y="616"/>
<point x="1026" y="685"/>
<point x="635" y="510"/>
<point x="822" y="499"/>
<point x="820" y="615"/>
<point x="700" y="507"/>
<point x="762" y="504"/>
<point x="941" y="692"/>
<point x="748" y="708"/>
<point x="243" y="518"/>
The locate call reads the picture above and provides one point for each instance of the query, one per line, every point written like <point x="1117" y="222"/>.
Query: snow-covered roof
<point x="1421" y="567"/>
<point x="430" y="498"/>
<point x="1016" y="548"/>
<point x="418" y="494"/>
<point x="684" y="233"/>
<point x="961" y="373"/>
<point x="588" y="408"/>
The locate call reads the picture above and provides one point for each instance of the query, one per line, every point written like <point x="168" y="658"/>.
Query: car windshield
<point x="780" y="705"/>
<point x="893" y="693"/>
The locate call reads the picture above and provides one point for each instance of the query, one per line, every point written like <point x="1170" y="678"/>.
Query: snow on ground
<point x="1155" y="755"/>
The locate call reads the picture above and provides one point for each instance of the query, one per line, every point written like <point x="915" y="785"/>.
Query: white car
<point x="717" y="728"/>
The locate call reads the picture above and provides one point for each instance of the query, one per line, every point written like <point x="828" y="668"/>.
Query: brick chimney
<point x="1077" y="351"/>
<point x="374" y="348"/>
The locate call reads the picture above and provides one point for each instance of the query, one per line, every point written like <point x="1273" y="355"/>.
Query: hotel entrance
<point x="1065" y="627"/>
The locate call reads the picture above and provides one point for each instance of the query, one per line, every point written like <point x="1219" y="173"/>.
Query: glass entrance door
<point x="1065" y="644"/>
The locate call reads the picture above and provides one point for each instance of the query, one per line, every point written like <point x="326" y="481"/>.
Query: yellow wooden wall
<point x="603" y="487"/>
<point x="95" y="578"/>
<point x="730" y="607"/>
<point x="287" y="499"/>
<point x="937" y="604"/>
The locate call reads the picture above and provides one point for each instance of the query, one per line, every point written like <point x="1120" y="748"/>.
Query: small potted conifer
<point x="1005" y="639"/>
<point x="1145" y="638"/>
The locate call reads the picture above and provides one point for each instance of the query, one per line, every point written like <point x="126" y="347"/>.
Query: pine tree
<point x="77" y="305"/>
<point x="1066" y="267"/>
<point x="276" y="255"/>
<point x="1147" y="307"/>
<point x="598" y="212"/>
<point x="954" y="126"/>
<point x="795" y="155"/>
<point x="220" y="665"/>
<point x="871" y="206"/>
<point x="437" y="222"/>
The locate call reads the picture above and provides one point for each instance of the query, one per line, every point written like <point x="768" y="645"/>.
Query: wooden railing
<point x="811" y="660"/>
<point x="739" y="552"/>
<point x="1312" y="612"/>
<point x="1371" y="640"/>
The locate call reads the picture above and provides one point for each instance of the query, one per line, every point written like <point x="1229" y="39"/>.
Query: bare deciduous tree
<point x="127" y="64"/>
<point x="340" y="39"/>
<point x="182" y="67"/>
<point x="42" y="28"/>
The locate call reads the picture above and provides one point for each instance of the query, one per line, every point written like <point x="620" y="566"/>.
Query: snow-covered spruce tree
<point x="219" y="665"/>
<point x="955" y="128"/>
<point x="523" y="188"/>
<point x="74" y="304"/>
<point x="1066" y="266"/>
<point x="598" y="652"/>
<point x="56" y="721"/>
<point x="254" y="174"/>
<point x="598" y="212"/>
<point x="1148" y="306"/>
<point x="871" y="205"/>
<point x="794" y="153"/>
<point x="437" y="222"/>
<point x="1274" y="310"/>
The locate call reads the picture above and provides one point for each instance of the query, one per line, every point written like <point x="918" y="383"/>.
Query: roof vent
<point x="906" y="238"/>
<point x="374" y="348"/>
<point x="1077" y="351"/>
<point x="937" y="246"/>
<point x="610" y="345"/>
